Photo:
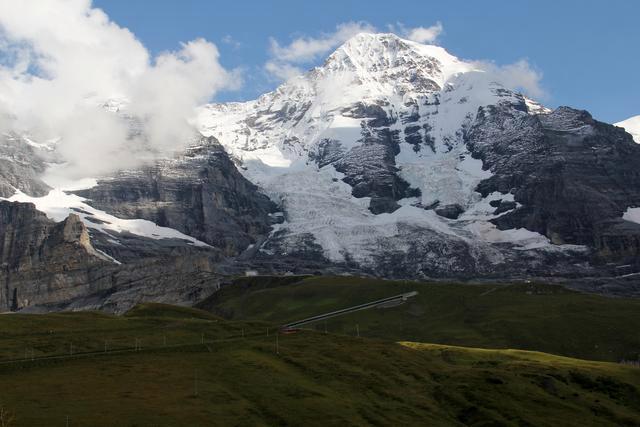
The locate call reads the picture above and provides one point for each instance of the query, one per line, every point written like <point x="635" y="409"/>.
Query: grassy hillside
<point x="526" y="316"/>
<point x="236" y="377"/>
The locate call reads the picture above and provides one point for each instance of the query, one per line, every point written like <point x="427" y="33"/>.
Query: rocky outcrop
<point x="572" y="176"/>
<point x="41" y="260"/>
<point x="452" y="211"/>
<point x="53" y="266"/>
<point x="179" y="280"/>
<point x="47" y="266"/>
<point x="618" y="239"/>
<point x="370" y="169"/>
<point x="200" y="193"/>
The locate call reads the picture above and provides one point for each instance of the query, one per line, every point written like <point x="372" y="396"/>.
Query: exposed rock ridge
<point x="572" y="176"/>
<point x="199" y="193"/>
<point x="41" y="260"/>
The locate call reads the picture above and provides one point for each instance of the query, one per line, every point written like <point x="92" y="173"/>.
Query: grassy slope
<point x="530" y="317"/>
<point x="317" y="379"/>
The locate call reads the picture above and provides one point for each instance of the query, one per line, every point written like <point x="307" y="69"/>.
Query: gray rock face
<point x="616" y="239"/>
<point x="46" y="266"/>
<point x="20" y="167"/>
<point x="42" y="260"/>
<point x="180" y="280"/>
<point x="417" y="252"/>
<point x="452" y="211"/>
<point x="371" y="170"/>
<point x="200" y="193"/>
<point x="52" y="266"/>
<point x="502" y="206"/>
<point x="573" y="176"/>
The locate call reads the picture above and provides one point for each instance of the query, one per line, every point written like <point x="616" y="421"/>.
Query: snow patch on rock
<point x="57" y="205"/>
<point x="632" y="214"/>
<point x="631" y="125"/>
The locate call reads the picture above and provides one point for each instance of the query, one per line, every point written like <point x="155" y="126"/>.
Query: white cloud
<point x="228" y="39"/>
<point x="64" y="58"/>
<point x="427" y="35"/>
<point x="518" y="76"/>
<point x="303" y="50"/>
<point x="282" y="71"/>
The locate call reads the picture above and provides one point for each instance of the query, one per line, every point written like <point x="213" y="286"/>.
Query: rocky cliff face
<point x="92" y="259"/>
<point x="42" y="260"/>
<point x="571" y="176"/>
<point x="200" y="193"/>
<point x="46" y="265"/>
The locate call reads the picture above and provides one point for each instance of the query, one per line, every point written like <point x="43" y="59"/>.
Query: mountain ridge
<point x="414" y="139"/>
<point x="392" y="159"/>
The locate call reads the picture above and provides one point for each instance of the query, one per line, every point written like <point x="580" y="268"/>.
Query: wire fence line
<point x="29" y="356"/>
<point x="272" y="334"/>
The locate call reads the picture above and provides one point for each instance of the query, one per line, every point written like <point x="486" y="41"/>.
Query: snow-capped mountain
<point x="369" y="157"/>
<point x="392" y="158"/>
<point x="631" y="125"/>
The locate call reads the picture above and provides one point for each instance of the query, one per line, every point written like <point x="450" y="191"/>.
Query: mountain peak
<point x="368" y="38"/>
<point x="364" y="48"/>
<point x="387" y="57"/>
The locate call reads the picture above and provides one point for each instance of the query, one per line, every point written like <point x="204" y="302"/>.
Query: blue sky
<point x="587" y="51"/>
